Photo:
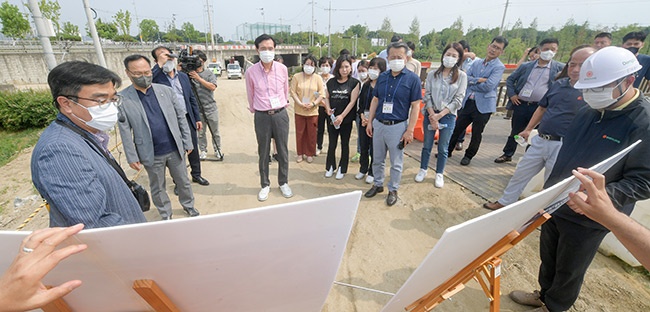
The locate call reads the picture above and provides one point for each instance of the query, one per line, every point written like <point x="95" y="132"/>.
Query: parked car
<point x="215" y="68"/>
<point x="234" y="71"/>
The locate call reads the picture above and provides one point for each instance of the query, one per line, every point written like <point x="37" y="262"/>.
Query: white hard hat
<point x="605" y="66"/>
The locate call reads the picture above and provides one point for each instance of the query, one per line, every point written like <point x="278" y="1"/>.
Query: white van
<point x="234" y="71"/>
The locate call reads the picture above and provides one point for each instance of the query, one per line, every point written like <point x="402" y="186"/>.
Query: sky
<point x="432" y="14"/>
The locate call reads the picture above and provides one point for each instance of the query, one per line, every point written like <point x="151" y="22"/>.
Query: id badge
<point x="526" y="93"/>
<point x="275" y="102"/>
<point x="387" y="108"/>
<point x="305" y="100"/>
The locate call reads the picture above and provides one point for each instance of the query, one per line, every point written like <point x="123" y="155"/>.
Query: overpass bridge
<point x="22" y="63"/>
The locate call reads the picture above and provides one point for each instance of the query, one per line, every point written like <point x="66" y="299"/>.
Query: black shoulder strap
<point x="110" y="159"/>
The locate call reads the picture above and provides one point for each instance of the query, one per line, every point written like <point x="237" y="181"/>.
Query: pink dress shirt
<point x="261" y="86"/>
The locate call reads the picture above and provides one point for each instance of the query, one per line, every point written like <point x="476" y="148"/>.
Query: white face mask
<point x="373" y="73"/>
<point x="449" y="61"/>
<point x="103" y="119"/>
<point x="396" y="65"/>
<point x="308" y="69"/>
<point x="409" y="53"/>
<point x="325" y="69"/>
<point x="169" y="66"/>
<point x="363" y="75"/>
<point x="603" y="99"/>
<point x="547" y="55"/>
<point x="267" y="56"/>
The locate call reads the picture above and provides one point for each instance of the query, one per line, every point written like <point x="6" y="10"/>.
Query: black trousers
<point x="521" y="115"/>
<point x="466" y="116"/>
<point x="365" y="143"/>
<point x="345" y="131"/>
<point x="193" y="157"/>
<point x="322" y="119"/>
<point x="566" y="250"/>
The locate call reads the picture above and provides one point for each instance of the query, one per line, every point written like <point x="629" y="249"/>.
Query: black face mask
<point x="634" y="50"/>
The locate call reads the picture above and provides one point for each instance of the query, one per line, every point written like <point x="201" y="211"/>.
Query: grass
<point x="11" y="143"/>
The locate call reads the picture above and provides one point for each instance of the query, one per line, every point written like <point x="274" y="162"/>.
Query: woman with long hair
<point x="307" y="92"/>
<point x="376" y="66"/>
<point x="444" y="93"/>
<point x="341" y="97"/>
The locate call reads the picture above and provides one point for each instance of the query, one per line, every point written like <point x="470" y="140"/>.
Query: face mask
<point x="449" y="61"/>
<point x="634" y="50"/>
<point x="396" y="65"/>
<point x="409" y="53"/>
<point x="308" y="69"/>
<point x="169" y="66"/>
<point x="602" y="100"/>
<point x="103" y="119"/>
<point x="373" y="73"/>
<point x="547" y="55"/>
<point x="325" y="69"/>
<point x="363" y="75"/>
<point x="267" y="56"/>
<point x="143" y="81"/>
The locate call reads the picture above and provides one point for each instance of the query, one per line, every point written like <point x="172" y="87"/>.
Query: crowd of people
<point x="584" y="111"/>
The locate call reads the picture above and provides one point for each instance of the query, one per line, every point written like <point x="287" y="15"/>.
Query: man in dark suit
<point x="164" y="72"/>
<point x="526" y="87"/>
<point x="150" y="109"/>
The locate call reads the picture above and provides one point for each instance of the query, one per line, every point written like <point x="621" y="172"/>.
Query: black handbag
<point x="140" y="194"/>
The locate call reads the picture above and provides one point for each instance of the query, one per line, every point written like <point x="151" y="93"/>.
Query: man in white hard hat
<point x="618" y="115"/>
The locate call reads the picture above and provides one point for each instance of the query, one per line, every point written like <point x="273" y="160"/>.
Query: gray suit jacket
<point x="135" y="131"/>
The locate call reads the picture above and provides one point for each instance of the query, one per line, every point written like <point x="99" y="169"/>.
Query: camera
<point x="188" y="61"/>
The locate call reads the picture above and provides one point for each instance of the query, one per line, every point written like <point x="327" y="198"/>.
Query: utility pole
<point x="137" y="22"/>
<point x="311" y="37"/>
<point x="263" y="21"/>
<point x="207" y="2"/>
<point x="48" y="53"/>
<point x="329" y="31"/>
<point x="93" y="33"/>
<point x="503" y="18"/>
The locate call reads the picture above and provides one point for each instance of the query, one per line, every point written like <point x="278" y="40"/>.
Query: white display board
<point x="461" y="244"/>
<point x="277" y="258"/>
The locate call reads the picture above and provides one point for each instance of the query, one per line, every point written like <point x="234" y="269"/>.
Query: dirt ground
<point x="386" y="244"/>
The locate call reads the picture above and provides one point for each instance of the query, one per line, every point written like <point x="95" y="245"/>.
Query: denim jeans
<point x="443" y="142"/>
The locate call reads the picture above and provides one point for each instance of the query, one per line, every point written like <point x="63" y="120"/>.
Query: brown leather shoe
<point x="503" y="158"/>
<point x="493" y="205"/>
<point x="526" y="298"/>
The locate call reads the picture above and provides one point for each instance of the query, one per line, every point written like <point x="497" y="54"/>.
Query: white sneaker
<point x="203" y="155"/>
<point x="286" y="190"/>
<point x="329" y="173"/>
<point x="317" y="152"/>
<point x="339" y="175"/>
<point x="420" y="176"/>
<point x="370" y="179"/>
<point x="440" y="180"/>
<point x="359" y="175"/>
<point x="263" y="194"/>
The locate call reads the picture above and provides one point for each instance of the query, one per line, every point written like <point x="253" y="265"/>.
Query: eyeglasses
<point x="140" y="74"/>
<point x="495" y="47"/>
<point x="603" y="88"/>
<point x="101" y="103"/>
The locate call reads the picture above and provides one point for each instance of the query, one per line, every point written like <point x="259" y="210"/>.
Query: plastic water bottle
<point x="333" y="118"/>
<point x="440" y="126"/>
<point x="520" y="140"/>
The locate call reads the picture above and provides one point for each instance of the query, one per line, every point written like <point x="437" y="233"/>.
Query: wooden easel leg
<point x="495" y="284"/>
<point x="152" y="294"/>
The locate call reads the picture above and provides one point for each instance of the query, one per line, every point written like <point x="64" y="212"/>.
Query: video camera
<point x="188" y="61"/>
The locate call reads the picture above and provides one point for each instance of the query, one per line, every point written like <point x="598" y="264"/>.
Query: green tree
<point x="70" y="31"/>
<point x="149" y="30"/>
<point x="123" y="21"/>
<point x="52" y="11"/>
<point x="414" y="31"/>
<point x="190" y="34"/>
<point x="386" y="30"/>
<point x="106" y="30"/>
<point x="14" y="24"/>
<point x="359" y="30"/>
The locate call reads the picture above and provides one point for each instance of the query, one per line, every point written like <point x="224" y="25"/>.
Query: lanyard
<point x="396" y="87"/>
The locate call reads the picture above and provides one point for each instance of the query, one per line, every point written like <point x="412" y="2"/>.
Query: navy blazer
<point x="191" y="105"/>
<point x="518" y="78"/>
